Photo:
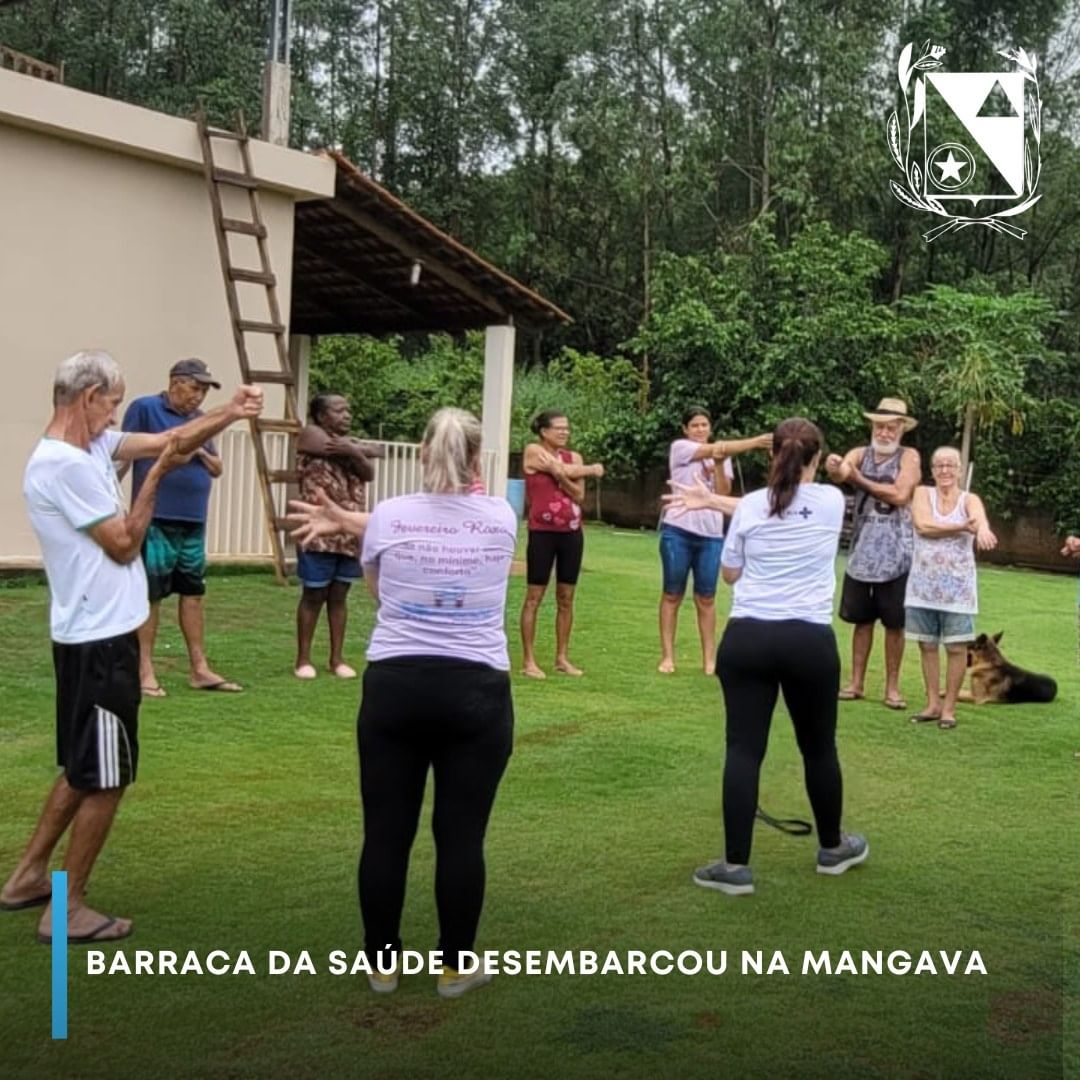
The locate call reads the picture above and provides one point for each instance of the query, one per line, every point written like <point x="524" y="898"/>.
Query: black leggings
<point x="756" y="659"/>
<point x="457" y="718"/>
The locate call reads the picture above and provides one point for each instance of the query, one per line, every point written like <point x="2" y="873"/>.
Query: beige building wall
<point x="106" y="240"/>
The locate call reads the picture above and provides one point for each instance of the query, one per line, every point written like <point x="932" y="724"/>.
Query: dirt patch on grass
<point x="708" y="1021"/>
<point x="548" y="735"/>
<point x="398" y="1019"/>
<point x="1024" y="1015"/>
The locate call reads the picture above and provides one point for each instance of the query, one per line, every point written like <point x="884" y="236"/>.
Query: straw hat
<point x="890" y="408"/>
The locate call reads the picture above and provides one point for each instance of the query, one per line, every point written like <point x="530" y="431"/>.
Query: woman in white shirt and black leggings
<point x="780" y="556"/>
<point x="436" y="691"/>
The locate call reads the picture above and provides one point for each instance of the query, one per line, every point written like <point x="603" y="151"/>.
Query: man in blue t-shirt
<point x="174" y="550"/>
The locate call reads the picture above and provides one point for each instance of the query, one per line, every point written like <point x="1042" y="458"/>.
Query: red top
<point x="550" y="508"/>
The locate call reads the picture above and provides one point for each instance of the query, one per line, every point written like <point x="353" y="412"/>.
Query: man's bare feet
<point x="666" y="667"/>
<point x="533" y="672"/>
<point x="24" y="891"/>
<point x="567" y="668"/>
<point x="85" y="925"/>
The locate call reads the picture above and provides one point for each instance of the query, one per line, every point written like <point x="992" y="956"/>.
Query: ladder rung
<point x="222" y="133"/>
<point x="251" y="327"/>
<point x="271" y="375"/>
<point x="237" y="179"/>
<point x="247" y="227"/>
<point x="283" y="476"/>
<point x="253" y="277"/>
<point x="290" y="427"/>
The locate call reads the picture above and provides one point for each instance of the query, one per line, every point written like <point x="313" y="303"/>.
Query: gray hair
<point x="451" y="447"/>
<point x="90" y="367"/>
<point x="941" y="451"/>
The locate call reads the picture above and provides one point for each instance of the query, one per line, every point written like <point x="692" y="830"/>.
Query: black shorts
<point x="866" y="602"/>
<point x="561" y="549"/>
<point x="97" y="711"/>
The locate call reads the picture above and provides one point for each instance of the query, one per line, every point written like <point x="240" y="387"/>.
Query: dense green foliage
<point x="702" y="184"/>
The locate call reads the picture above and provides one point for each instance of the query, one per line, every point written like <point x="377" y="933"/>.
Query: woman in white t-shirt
<point x="695" y="539"/>
<point x="780" y="557"/>
<point x="436" y="691"/>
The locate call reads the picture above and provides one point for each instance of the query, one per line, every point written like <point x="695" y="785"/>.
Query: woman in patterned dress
<point x="941" y="599"/>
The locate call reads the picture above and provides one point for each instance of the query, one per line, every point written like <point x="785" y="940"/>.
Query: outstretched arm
<point x="698" y="497"/>
<point x="246" y="404"/>
<point x="323" y="517"/>
<point x="121" y="536"/>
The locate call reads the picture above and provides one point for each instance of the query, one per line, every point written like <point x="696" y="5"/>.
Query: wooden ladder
<point x="283" y="375"/>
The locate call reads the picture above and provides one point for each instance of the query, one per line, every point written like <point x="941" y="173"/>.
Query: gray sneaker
<point x="852" y="850"/>
<point x="733" y="880"/>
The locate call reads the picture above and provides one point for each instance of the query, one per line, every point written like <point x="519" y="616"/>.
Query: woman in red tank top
<point x="555" y="490"/>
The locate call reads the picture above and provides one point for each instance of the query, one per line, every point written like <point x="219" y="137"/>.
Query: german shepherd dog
<point x="995" y="680"/>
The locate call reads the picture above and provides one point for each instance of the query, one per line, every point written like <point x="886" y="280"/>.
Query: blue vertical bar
<point x="59" y="954"/>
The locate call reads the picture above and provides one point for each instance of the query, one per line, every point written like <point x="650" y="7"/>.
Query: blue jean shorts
<point x="681" y="552"/>
<point x="317" y="569"/>
<point x="938" y="627"/>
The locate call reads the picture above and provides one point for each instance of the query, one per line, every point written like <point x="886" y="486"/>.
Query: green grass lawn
<point x="243" y="831"/>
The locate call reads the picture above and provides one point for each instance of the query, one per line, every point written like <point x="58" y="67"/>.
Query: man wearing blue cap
<point x="174" y="550"/>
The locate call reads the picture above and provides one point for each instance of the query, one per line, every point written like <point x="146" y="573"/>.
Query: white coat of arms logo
<point x="967" y="141"/>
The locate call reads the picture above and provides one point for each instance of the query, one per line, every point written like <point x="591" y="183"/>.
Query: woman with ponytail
<point x="436" y="691"/>
<point x="780" y="557"/>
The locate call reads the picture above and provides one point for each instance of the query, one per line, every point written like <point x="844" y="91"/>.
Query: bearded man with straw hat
<point x="884" y="476"/>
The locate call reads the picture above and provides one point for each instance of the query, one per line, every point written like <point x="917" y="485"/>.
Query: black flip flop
<point x="22" y="905"/>
<point x="89" y="939"/>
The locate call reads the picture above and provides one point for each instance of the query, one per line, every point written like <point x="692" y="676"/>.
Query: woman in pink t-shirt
<point x="695" y="539"/>
<point x="555" y="490"/>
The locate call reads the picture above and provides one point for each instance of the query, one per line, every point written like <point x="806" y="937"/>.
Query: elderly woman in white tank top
<point x="941" y="600"/>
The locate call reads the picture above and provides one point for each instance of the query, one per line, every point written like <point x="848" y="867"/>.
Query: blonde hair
<point x="450" y="451"/>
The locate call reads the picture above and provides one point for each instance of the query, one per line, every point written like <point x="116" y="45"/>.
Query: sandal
<point x="847" y="694"/>
<point x="947" y="723"/>
<point x="897" y="703"/>
<point x="925" y="718"/>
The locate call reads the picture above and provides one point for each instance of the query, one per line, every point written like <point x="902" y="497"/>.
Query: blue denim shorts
<point x="681" y="552"/>
<point x="317" y="569"/>
<point x="938" y="627"/>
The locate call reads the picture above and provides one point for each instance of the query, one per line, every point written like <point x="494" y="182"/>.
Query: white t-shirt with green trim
<point x="67" y="491"/>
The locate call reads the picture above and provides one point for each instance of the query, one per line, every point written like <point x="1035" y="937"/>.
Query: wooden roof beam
<point x="413" y="253"/>
<point x="346" y="266"/>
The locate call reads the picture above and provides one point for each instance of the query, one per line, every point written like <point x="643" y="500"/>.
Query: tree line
<point x="702" y="184"/>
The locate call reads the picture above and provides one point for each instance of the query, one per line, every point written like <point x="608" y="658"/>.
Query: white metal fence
<point x="235" y="526"/>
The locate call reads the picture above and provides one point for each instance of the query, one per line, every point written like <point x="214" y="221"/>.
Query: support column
<point x="300" y="362"/>
<point x="498" y="393"/>
<point x="275" y="103"/>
